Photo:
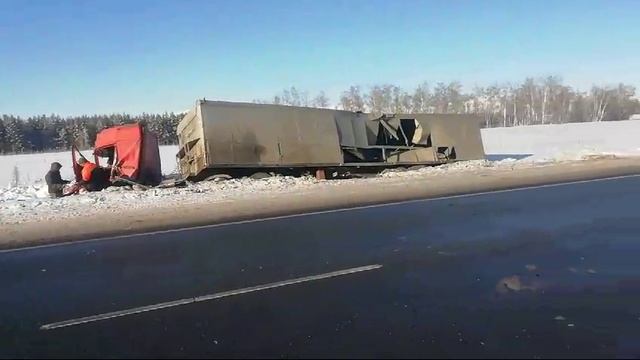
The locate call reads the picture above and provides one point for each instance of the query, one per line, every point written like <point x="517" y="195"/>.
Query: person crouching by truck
<point x="94" y="177"/>
<point x="55" y="184"/>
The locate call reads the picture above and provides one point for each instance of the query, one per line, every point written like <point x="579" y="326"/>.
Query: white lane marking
<point x="209" y="297"/>
<point x="241" y="222"/>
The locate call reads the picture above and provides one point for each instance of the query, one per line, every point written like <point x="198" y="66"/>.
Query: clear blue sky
<point x="74" y="57"/>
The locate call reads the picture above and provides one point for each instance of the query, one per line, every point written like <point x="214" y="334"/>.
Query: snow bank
<point x="576" y="141"/>
<point x="505" y="147"/>
<point x="27" y="203"/>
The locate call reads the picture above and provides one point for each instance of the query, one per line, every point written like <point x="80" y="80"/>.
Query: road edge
<point x="339" y="196"/>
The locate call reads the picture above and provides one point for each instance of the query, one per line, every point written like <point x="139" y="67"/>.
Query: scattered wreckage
<point x="132" y="156"/>
<point x="224" y="139"/>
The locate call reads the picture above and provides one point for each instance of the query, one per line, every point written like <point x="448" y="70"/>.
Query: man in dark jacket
<point x="54" y="181"/>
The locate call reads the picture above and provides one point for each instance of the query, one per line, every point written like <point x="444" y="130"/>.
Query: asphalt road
<point x="550" y="271"/>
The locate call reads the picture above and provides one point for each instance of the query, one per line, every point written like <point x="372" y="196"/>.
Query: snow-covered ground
<point x="505" y="147"/>
<point x="563" y="142"/>
<point x="31" y="168"/>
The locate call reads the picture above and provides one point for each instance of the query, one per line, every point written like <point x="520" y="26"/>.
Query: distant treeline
<point x="534" y="101"/>
<point x="52" y="132"/>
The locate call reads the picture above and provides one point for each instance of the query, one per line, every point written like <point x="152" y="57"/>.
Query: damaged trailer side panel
<point x="222" y="136"/>
<point x="269" y="135"/>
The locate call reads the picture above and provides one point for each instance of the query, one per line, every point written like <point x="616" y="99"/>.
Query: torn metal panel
<point x="459" y="132"/>
<point x="352" y="129"/>
<point x="413" y="156"/>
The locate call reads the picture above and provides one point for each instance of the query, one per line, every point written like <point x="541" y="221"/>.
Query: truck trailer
<point x="239" y="139"/>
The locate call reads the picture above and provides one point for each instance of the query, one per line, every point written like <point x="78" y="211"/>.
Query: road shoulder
<point x="325" y="196"/>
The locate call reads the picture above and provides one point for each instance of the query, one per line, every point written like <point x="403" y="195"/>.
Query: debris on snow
<point x="28" y="203"/>
<point x="24" y="196"/>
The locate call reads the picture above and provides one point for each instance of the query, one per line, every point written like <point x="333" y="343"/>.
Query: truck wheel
<point x="260" y="175"/>
<point x="218" y="177"/>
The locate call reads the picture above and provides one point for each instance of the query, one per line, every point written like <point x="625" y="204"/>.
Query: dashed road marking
<point x="209" y="297"/>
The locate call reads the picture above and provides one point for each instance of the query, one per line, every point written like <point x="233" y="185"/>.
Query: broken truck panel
<point x="218" y="135"/>
<point x="459" y="133"/>
<point x="352" y="129"/>
<point x="132" y="150"/>
<point x="413" y="156"/>
<point x="192" y="157"/>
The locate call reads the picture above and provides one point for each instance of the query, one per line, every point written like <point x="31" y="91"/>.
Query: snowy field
<point x="563" y="142"/>
<point x="31" y="168"/>
<point x="539" y="143"/>
<point x="505" y="147"/>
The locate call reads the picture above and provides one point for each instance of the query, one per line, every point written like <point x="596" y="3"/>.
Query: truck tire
<point x="260" y="175"/>
<point x="218" y="177"/>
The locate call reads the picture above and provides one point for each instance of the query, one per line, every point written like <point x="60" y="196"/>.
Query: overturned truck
<point x="240" y="139"/>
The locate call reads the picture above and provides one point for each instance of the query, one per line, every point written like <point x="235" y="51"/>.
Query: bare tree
<point x="380" y="99"/>
<point x="530" y="92"/>
<point x="321" y="100"/>
<point x="561" y="106"/>
<point x="352" y="100"/>
<point x="550" y="92"/>
<point x="454" y="97"/>
<point x="293" y="97"/>
<point x="600" y="101"/>
<point x="543" y="105"/>
<point x="622" y="103"/>
<point x="440" y="99"/>
<point x="543" y="100"/>
<point x="286" y="98"/>
<point x="401" y="101"/>
<point x="578" y="108"/>
<point x="503" y="104"/>
<point x="493" y="104"/>
<point x="421" y="99"/>
<point x="515" y="100"/>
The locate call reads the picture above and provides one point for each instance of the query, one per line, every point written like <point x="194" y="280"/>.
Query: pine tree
<point x="34" y="133"/>
<point x="80" y="135"/>
<point x="62" y="136"/>
<point x="155" y="125"/>
<point x="3" y="141"/>
<point x="15" y="135"/>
